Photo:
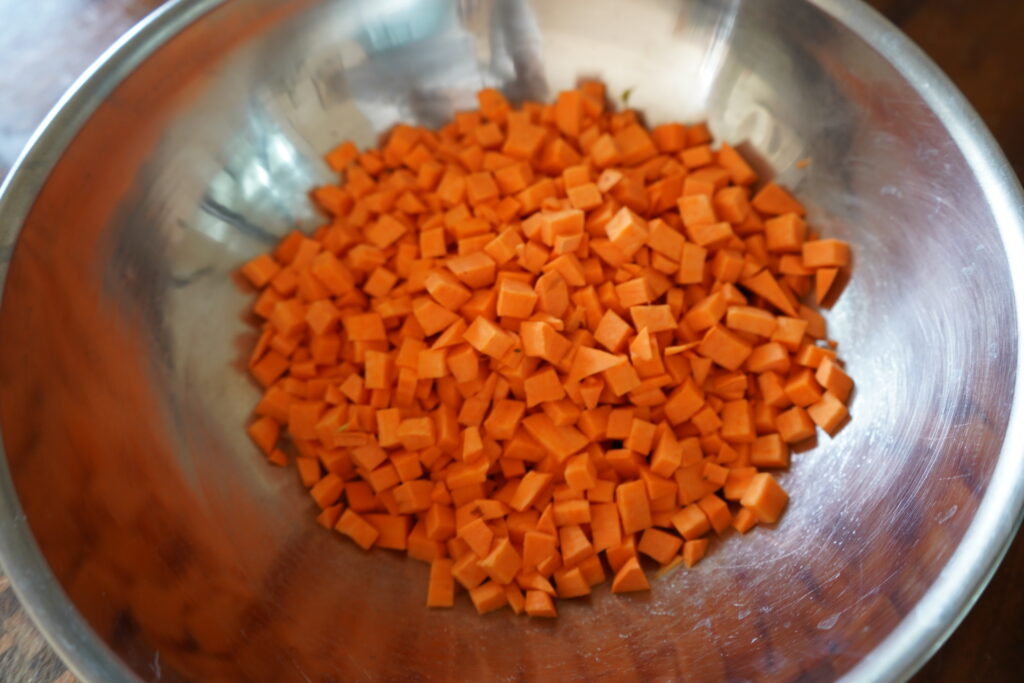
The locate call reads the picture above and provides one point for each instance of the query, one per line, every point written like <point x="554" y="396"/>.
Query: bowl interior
<point x="123" y="335"/>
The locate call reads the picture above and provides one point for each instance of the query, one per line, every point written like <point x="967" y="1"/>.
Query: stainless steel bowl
<point x="148" y="538"/>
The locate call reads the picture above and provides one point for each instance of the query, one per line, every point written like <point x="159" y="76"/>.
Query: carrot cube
<point x="502" y="248"/>
<point x="834" y="379"/>
<point x="826" y="254"/>
<point x="627" y="231"/>
<point x="574" y="543"/>
<point x="540" y="604"/>
<point x="697" y="209"/>
<point x="622" y="377"/>
<point x="769" y="450"/>
<point x="604" y="152"/>
<point x="691" y="264"/>
<point x="393" y="530"/>
<point x="488" y="597"/>
<point x="667" y="455"/>
<point x="476" y="270"/>
<point x="612" y="331"/>
<point x="669" y="137"/>
<point x="641" y="436"/>
<point x="706" y="312"/>
<point x="261" y="270"/>
<point x="516" y="299"/>
<point x="481" y="187"/>
<point x="467" y="571"/>
<point x="691" y="522"/>
<point x="264" y="433"/>
<point x="538" y="547"/>
<point x="417" y="433"/>
<point x="524" y="142"/>
<point x="635" y="145"/>
<point x="543" y="386"/>
<point x="364" y="327"/>
<point x="724" y="348"/>
<point x="659" y="545"/>
<point x="634" y="506"/>
<point x="697" y="156"/>
<point x="744" y="521"/>
<point x="772" y="199"/>
<point x="785" y="233"/>
<point x="514" y="178"/>
<point x="751" y="320"/>
<point x="341" y="156"/>
<point x="358" y="529"/>
<point x="541" y="340"/>
<point x="738" y="168"/>
<point x="802" y="389"/>
<point x="768" y="288"/>
<point x="828" y="413"/>
<point x="328" y="490"/>
<point x="738" y="421"/>
<point x="440" y="522"/>
<point x="441" y="586"/>
<point x="571" y="512"/>
<point x="794" y="425"/>
<point x="684" y="402"/>
<point x="446" y="289"/>
<point x="765" y="498"/>
<point x="488" y="338"/>
<point x="584" y="197"/>
<point x="716" y="511"/>
<point x="655" y="318"/>
<point x="580" y="472"/>
<point x="413" y="496"/>
<point x="432" y="243"/>
<point x="571" y="583"/>
<point x="731" y="204"/>
<point x="385" y="232"/>
<point x="503" y="562"/>
<point x="529" y="490"/>
<point x="711" y="235"/>
<point x="694" y="550"/>
<point x="630" y="577"/>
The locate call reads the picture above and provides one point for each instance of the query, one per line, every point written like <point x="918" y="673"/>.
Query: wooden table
<point x="45" y="45"/>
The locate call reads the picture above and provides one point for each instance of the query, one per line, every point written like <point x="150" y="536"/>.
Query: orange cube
<point x="585" y="197"/>
<point x="724" y="348"/>
<point x="834" y="379"/>
<point x="826" y="254"/>
<point x="543" y="386"/>
<point x="696" y="209"/>
<point x="487" y="338"/>
<point x="481" y="187"/>
<point x="828" y="413"/>
<point x="358" y="529"/>
<point x="634" y="506"/>
<point x="416" y="433"/>
<point x="785" y="233"/>
<point x="794" y="425"/>
<point x="765" y="498"/>
<point x="659" y="545"/>
<point x="612" y="331"/>
<point x="516" y="299"/>
<point x="627" y="231"/>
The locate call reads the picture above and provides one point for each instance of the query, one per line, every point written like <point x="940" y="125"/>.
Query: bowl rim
<point x="987" y="539"/>
<point x="918" y="635"/>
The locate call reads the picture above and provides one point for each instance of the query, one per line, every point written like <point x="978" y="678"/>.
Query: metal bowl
<point x="148" y="538"/>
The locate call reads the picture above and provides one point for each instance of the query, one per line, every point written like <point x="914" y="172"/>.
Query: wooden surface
<point x="45" y="44"/>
